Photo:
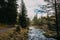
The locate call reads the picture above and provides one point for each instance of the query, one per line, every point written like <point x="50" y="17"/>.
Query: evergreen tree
<point x="8" y="11"/>
<point x="56" y="6"/>
<point x="23" y="17"/>
<point x="58" y="15"/>
<point x="35" y="20"/>
<point x="11" y="11"/>
<point x="3" y="5"/>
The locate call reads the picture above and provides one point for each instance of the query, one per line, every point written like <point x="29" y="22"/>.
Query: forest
<point x="16" y="25"/>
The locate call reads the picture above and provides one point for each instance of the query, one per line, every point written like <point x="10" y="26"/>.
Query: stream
<point x="37" y="34"/>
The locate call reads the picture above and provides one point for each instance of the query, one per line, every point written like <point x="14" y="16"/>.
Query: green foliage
<point x="17" y="29"/>
<point x="23" y="21"/>
<point x="58" y="10"/>
<point x="39" y="21"/>
<point x="8" y="11"/>
<point x="35" y="20"/>
<point x="52" y="23"/>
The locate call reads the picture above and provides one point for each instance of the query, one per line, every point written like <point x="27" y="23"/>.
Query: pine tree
<point x="3" y="5"/>
<point x="35" y="20"/>
<point x="58" y="15"/>
<point x="11" y="11"/>
<point x="23" y="16"/>
<point x="8" y="11"/>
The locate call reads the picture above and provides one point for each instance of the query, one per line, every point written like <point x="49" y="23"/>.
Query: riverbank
<point x="23" y="33"/>
<point x="48" y="33"/>
<point x="13" y="35"/>
<point x="37" y="34"/>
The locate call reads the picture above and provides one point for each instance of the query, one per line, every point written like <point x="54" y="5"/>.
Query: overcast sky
<point x="31" y="5"/>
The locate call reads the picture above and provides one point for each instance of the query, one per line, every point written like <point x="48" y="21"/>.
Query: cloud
<point x="31" y="5"/>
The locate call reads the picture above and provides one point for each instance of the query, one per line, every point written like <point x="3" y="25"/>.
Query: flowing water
<point x="37" y="34"/>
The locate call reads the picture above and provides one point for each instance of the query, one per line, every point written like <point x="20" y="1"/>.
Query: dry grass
<point x="13" y="35"/>
<point x="50" y="34"/>
<point x="3" y="26"/>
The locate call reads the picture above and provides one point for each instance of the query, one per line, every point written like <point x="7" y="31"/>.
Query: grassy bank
<point x="5" y="26"/>
<point x="48" y="33"/>
<point x="13" y="35"/>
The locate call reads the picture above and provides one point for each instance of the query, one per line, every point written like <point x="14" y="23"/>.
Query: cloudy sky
<point x="31" y="5"/>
